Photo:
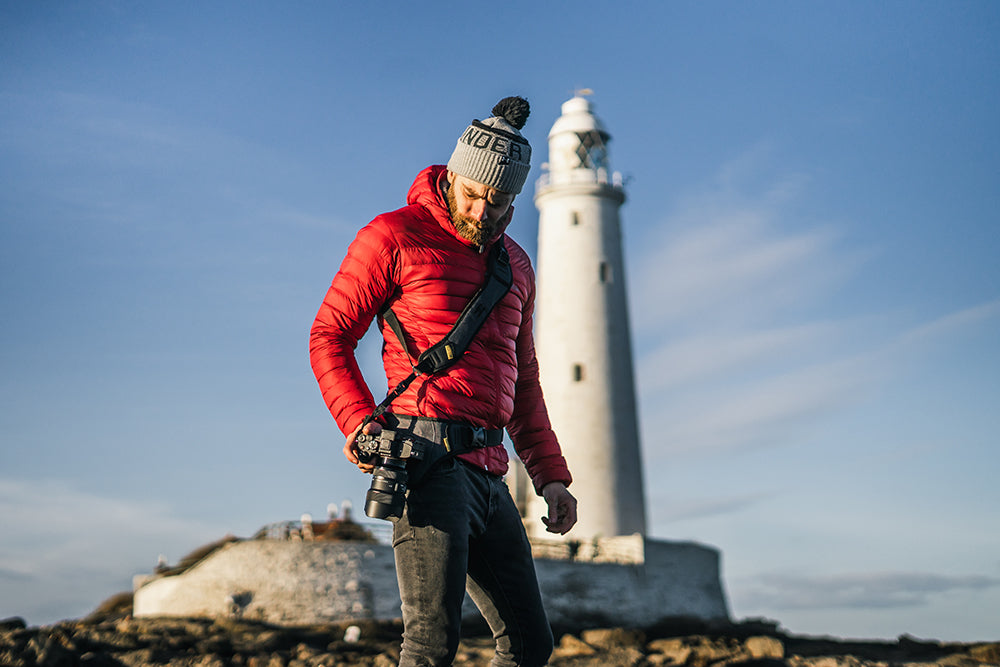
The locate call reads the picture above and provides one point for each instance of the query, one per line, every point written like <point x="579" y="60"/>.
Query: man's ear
<point x="505" y="220"/>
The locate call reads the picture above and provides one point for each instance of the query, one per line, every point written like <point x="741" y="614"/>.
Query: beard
<point x="477" y="232"/>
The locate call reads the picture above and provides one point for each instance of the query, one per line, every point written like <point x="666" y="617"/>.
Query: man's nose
<point x="479" y="210"/>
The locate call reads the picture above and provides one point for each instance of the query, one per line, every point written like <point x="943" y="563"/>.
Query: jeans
<point x="460" y="530"/>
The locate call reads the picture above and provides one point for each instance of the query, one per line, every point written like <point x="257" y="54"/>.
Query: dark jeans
<point x="460" y="529"/>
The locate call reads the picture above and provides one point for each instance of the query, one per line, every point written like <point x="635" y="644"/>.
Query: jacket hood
<point x="428" y="191"/>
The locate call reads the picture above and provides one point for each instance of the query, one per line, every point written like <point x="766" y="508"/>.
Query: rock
<point x="623" y="657"/>
<point x="708" y="650"/>
<point x="210" y="661"/>
<point x="52" y="649"/>
<point x="106" y="641"/>
<point x="674" y="651"/>
<point x="117" y="606"/>
<point x="613" y="637"/>
<point x="571" y="647"/>
<point x="139" y="658"/>
<point x="91" y="659"/>
<point x="986" y="653"/>
<point x="841" y="661"/>
<point x="12" y="623"/>
<point x="215" y="645"/>
<point x="764" y="647"/>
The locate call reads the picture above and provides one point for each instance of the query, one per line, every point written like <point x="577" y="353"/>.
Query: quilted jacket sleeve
<point x="529" y="428"/>
<point x="364" y="282"/>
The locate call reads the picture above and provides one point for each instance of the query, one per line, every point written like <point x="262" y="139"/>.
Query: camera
<point x="387" y="494"/>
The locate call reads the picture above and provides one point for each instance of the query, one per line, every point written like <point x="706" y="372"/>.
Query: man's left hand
<point x="562" y="508"/>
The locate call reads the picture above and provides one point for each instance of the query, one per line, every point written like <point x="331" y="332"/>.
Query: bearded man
<point x="459" y="528"/>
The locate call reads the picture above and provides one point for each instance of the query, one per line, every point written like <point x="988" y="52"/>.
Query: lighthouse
<point x="582" y="333"/>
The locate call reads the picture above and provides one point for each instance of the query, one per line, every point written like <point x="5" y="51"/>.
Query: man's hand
<point x="562" y="508"/>
<point x="351" y="449"/>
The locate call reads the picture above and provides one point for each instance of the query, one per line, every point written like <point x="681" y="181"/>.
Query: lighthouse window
<point x="577" y="372"/>
<point x="591" y="150"/>
<point x="605" y="272"/>
<point x="576" y="218"/>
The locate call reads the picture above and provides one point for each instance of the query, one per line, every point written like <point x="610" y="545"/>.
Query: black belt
<point x="455" y="436"/>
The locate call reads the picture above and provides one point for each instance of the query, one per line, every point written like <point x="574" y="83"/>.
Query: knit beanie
<point x="493" y="152"/>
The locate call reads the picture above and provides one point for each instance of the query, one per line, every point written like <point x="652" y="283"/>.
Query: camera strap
<point x="447" y="351"/>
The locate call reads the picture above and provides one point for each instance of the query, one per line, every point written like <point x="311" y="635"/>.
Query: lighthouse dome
<point x="577" y="117"/>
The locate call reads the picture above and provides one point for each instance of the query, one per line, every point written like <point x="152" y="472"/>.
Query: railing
<point x="624" y="550"/>
<point x="380" y="531"/>
<point x="598" y="176"/>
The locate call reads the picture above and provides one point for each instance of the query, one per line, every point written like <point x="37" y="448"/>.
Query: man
<point x="459" y="527"/>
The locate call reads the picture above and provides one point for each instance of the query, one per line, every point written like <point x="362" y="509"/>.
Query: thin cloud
<point x="732" y="355"/>
<point x="12" y="576"/>
<point x="728" y="348"/>
<point x="65" y="550"/>
<point x="879" y="590"/>
<point x="52" y="514"/>
<point x="730" y="258"/>
<point x="95" y="130"/>
<point x="679" y="509"/>
<point x="951" y="324"/>
<point x="706" y="356"/>
<point x="124" y="148"/>
<point x="766" y="410"/>
<point x="731" y="267"/>
<point x="741" y="389"/>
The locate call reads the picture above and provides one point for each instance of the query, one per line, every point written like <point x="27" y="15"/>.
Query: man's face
<point x="478" y="211"/>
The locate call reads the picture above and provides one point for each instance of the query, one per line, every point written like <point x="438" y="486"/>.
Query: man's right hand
<point x="562" y="508"/>
<point x="351" y="449"/>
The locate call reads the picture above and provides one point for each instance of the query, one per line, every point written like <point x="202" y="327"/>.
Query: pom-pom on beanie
<point x="492" y="151"/>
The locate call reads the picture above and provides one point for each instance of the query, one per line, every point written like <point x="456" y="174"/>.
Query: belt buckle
<point x="478" y="437"/>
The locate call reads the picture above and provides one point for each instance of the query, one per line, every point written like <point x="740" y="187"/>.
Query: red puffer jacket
<point x="413" y="261"/>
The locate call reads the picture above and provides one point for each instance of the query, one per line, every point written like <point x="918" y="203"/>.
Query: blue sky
<point x="810" y="233"/>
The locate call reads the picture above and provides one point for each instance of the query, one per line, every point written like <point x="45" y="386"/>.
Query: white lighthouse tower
<point x="582" y="327"/>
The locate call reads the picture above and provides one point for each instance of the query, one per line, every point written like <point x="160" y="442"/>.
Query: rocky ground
<point x="116" y="639"/>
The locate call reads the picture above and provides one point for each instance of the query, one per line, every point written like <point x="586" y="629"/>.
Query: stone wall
<point x="672" y="579"/>
<point x="298" y="583"/>
<point x="280" y="582"/>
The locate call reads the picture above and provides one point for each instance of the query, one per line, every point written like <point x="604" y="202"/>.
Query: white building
<point x="582" y="334"/>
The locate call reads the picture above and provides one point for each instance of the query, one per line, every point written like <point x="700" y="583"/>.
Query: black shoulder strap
<point x="449" y="349"/>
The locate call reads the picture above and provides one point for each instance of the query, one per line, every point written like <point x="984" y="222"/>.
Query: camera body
<point x="387" y="494"/>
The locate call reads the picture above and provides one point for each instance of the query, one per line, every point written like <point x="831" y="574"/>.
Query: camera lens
<point x="387" y="494"/>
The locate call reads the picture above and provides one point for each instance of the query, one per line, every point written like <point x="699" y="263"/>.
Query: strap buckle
<point x="464" y="436"/>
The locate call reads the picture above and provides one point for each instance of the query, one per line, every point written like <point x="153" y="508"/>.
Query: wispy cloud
<point x="683" y="509"/>
<point x="124" y="162"/>
<point x="734" y="353"/>
<point x="760" y="411"/>
<point x="951" y="324"/>
<point x="730" y="258"/>
<point x="696" y="358"/>
<point x="878" y="590"/>
<point x="65" y="550"/>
